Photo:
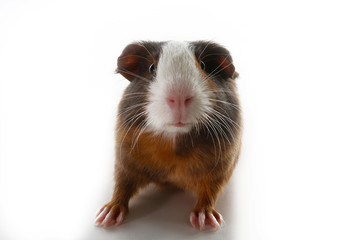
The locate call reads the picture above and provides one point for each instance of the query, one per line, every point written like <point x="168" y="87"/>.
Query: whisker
<point x="132" y="107"/>
<point x="225" y="124"/>
<point x="219" y="156"/>
<point x="144" y="127"/>
<point x="204" y="123"/>
<point x="139" y="105"/>
<point x="221" y="131"/>
<point x="138" y="56"/>
<point x="139" y="130"/>
<point x="197" y="130"/>
<point x="229" y="119"/>
<point x="219" y="91"/>
<point x="212" y="74"/>
<point x="132" y="74"/>
<point x="206" y="46"/>
<point x="221" y="69"/>
<point x="135" y="93"/>
<point x="216" y="54"/>
<point x="131" y="119"/>
<point x="135" y="96"/>
<point x="128" y="129"/>
<point x="192" y="142"/>
<point x="142" y="45"/>
<point x="211" y="125"/>
<point x="225" y="102"/>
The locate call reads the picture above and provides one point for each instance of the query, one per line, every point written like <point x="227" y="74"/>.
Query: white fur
<point x="176" y="72"/>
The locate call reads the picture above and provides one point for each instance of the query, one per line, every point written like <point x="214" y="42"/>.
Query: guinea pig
<point x="178" y="124"/>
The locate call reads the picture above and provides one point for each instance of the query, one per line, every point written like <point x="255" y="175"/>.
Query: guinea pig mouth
<point x="180" y="124"/>
<point x="177" y="127"/>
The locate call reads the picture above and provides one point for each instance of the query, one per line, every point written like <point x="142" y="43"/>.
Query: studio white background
<point x="298" y="175"/>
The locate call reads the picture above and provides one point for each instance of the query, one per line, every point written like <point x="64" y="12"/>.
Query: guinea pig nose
<point x="188" y="101"/>
<point x="177" y="102"/>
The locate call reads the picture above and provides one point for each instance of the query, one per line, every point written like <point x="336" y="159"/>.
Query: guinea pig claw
<point x="101" y="216"/>
<point x="202" y="218"/>
<point x="108" y="221"/>
<point x="119" y="219"/>
<point x="212" y="220"/>
<point x="193" y="219"/>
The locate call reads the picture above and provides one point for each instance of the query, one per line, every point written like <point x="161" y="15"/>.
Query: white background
<point x="298" y="175"/>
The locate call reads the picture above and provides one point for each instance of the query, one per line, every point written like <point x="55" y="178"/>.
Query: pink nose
<point x="179" y="105"/>
<point x="179" y="101"/>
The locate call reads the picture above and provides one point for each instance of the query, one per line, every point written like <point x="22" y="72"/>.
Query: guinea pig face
<point x="179" y="95"/>
<point x="181" y="80"/>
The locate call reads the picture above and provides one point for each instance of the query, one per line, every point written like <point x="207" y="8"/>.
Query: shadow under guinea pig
<point x="158" y="213"/>
<point x="159" y="204"/>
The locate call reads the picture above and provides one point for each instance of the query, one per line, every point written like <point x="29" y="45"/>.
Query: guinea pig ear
<point x="226" y="67"/>
<point x="133" y="61"/>
<point x="217" y="59"/>
<point x="219" y="65"/>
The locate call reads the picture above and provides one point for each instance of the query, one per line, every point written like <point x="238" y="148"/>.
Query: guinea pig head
<point x="182" y="81"/>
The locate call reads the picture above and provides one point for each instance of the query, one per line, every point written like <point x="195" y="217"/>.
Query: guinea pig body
<point x="178" y="123"/>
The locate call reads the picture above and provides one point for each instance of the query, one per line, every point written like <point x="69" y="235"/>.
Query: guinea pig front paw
<point x="206" y="217"/>
<point x="110" y="215"/>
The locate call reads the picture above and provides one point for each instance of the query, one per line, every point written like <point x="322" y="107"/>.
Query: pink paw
<point x="109" y="216"/>
<point x="203" y="218"/>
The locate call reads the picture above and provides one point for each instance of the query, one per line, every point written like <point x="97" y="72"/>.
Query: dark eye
<point x="202" y="65"/>
<point x="152" y="69"/>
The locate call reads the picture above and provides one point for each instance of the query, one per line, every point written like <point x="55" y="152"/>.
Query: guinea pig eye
<point x="202" y="65"/>
<point x="152" y="68"/>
